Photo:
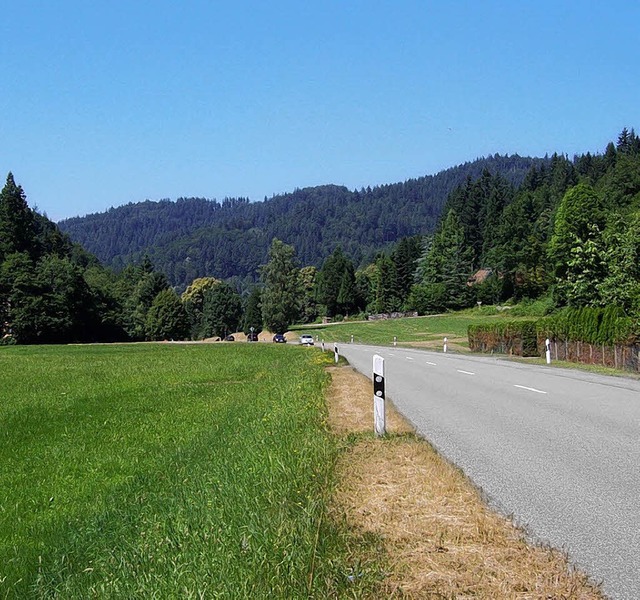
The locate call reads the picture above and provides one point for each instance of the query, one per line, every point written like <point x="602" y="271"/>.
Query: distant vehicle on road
<point x="306" y="340"/>
<point x="278" y="338"/>
<point x="252" y="337"/>
<point x="229" y="338"/>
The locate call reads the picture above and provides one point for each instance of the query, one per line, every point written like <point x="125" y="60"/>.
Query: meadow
<point x="427" y="331"/>
<point x="168" y="470"/>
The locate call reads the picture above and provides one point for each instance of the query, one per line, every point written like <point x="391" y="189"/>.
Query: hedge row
<point x="604" y="326"/>
<point x="506" y="337"/>
<point x="607" y="326"/>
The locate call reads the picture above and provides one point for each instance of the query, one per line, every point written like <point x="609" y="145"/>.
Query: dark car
<point x="252" y="337"/>
<point x="229" y="338"/>
<point x="278" y="338"/>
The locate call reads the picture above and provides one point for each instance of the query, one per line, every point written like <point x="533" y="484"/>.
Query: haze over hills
<point x="194" y="237"/>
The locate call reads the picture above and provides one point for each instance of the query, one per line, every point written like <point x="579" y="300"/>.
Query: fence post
<point x="379" y="420"/>
<point x="547" y="345"/>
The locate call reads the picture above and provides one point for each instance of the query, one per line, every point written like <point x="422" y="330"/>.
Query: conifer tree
<point x="16" y="221"/>
<point x="253" y="312"/>
<point x="281" y="293"/>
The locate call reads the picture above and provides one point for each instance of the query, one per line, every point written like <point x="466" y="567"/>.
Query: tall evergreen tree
<point x="308" y="303"/>
<point x="387" y="297"/>
<point x="281" y="293"/>
<point x="17" y="233"/>
<point x="405" y="258"/>
<point x="336" y="270"/>
<point x="253" y="312"/>
<point x="446" y="270"/>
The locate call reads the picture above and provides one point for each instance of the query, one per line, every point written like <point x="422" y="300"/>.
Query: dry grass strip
<point x="440" y="538"/>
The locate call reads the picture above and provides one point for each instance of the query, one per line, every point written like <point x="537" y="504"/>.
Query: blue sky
<point x="105" y="103"/>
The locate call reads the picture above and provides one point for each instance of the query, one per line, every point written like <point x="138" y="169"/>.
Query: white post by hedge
<point x="444" y="349"/>
<point x="336" y="355"/>
<point x="379" y="421"/>
<point x="547" y="346"/>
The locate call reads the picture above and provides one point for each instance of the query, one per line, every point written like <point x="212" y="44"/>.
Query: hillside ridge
<point x="193" y="237"/>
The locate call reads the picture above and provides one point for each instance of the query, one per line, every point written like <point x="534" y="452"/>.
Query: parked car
<point x="306" y="339"/>
<point x="278" y="338"/>
<point x="252" y="337"/>
<point x="229" y="338"/>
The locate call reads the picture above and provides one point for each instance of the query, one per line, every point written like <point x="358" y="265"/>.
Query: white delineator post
<point x="336" y="355"/>
<point x="444" y="349"/>
<point x="379" y="421"/>
<point x="352" y="339"/>
<point x="547" y="345"/>
<point x="395" y="340"/>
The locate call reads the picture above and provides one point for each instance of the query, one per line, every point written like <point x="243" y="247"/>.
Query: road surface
<point x="558" y="449"/>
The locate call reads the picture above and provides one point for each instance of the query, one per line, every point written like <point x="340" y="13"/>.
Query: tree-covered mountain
<point x="196" y="237"/>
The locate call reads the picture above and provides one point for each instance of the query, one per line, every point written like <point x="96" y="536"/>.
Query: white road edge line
<point x="465" y="372"/>
<point x="530" y="389"/>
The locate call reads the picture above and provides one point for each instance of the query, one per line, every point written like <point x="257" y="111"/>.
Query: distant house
<point x="479" y="276"/>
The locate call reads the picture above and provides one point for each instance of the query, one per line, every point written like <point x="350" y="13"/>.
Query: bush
<point x="534" y="308"/>
<point x="607" y="326"/>
<point x="507" y="337"/>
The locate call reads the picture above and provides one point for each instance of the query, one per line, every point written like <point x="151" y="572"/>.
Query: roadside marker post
<point x="352" y="339"/>
<point x="395" y="341"/>
<point x="445" y="346"/>
<point x="335" y="353"/>
<point x="379" y="420"/>
<point x="547" y="345"/>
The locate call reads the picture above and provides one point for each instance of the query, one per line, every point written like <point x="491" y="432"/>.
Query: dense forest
<point x="195" y="237"/>
<point x="565" y="234"/>
<point x="570" y="234"/>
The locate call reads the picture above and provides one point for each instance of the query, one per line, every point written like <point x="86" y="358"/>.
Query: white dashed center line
<point x="432" y="364"/>
<point x="530" y="389"/>
<point x="465" y="372"/>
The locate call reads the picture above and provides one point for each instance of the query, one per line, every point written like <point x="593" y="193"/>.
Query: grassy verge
<point x="438" y="537"/>
<point x="148" y="471"/>
<point x="426" y="331"/>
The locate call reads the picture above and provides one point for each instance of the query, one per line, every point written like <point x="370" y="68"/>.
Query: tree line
<point x="568" y="235"/>
<point x="196" y="237"/>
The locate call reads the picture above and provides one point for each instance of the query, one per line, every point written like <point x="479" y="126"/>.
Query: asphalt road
<point x="557" y="449"/>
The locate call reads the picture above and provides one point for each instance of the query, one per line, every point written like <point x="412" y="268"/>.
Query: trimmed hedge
<point x="609" y="326"/>
<point x="589" y="335"/>
<point x="506" y="337"/>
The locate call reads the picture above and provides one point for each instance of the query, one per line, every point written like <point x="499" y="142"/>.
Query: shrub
<point x="607" y="326"/>
<point x="508" y="337"/>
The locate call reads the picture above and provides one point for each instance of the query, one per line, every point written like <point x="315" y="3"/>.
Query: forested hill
<point x="196" y="237"/>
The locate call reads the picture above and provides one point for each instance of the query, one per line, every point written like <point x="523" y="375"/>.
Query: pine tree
<point x="17" y="232"/>
<point x="281" y="293"/>
<point x="445" y="269"/>
<point x="405" y="257"/>
<point x="253" y="312"/>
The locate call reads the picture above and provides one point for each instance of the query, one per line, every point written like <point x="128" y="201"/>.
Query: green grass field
<point x="168" y="471"/>
<point x="426" y="331"/>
